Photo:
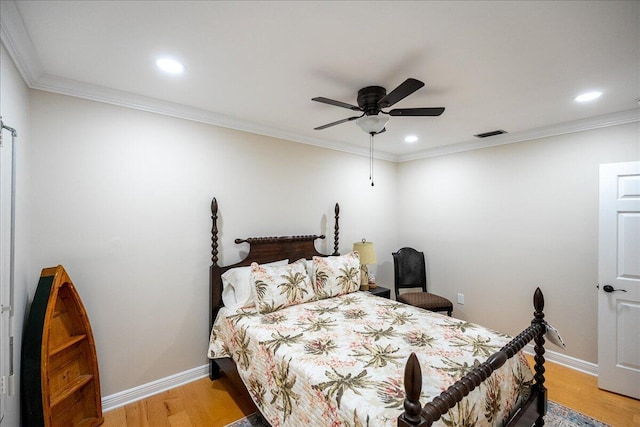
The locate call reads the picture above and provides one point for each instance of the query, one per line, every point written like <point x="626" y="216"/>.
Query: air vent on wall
<point x="492" y="133"/>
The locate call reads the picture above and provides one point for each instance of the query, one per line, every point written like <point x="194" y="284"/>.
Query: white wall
<point x="495" y="223"/>
<point x="121" y="198"/>
<point x="14" y="109"/>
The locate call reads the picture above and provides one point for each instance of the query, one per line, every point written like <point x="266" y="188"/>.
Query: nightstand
<point x="380" y="292"/>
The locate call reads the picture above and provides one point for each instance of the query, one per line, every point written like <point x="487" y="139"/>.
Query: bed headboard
<point x="261" y="250"/>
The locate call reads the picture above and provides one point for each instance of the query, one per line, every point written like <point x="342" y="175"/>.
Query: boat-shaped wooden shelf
<point x="60" y="380"/>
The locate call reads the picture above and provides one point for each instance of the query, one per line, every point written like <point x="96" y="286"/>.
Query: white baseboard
<point x="145" y="390"/>
<point x="122" y="398"/>
<point x="568" y="361"/>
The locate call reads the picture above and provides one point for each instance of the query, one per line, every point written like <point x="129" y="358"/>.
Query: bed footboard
<point x="532" y="411"/>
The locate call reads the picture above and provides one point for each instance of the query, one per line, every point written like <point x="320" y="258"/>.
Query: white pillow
<point x="237" y="289"/>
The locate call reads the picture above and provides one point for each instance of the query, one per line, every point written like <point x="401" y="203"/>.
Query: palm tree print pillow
<point x="278" y="287"/>
<point x="336" y="275"/>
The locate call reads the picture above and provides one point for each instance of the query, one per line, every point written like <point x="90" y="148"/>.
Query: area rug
<point x="557" y="416"/>
<point x="561" y="416"/>
<point x="253" y="420"/>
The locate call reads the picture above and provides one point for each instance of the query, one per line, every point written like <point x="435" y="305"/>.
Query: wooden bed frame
<point x="268" y="249"/>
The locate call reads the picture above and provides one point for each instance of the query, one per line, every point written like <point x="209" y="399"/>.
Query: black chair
<point x="410" y="272"/>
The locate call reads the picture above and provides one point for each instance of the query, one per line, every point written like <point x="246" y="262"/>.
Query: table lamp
<point x="367" y="256"/>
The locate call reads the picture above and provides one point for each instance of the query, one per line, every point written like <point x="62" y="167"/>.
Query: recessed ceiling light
<point x="411" y="138"/>
<point x="170" y="65"/>
<point x="589" y="96"/>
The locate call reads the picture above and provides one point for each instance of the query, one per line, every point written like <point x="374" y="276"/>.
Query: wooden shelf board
<point x="71" y="388"/>
<point x="70" y="342"/>
<point x="90" y="422"/>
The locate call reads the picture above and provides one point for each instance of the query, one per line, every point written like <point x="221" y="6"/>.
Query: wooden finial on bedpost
<point x="412" y="388"/>
<point x="336" y="232"/>
<point x="214" y="232"/>
<point x="538" y="318"/>
<point x="538" y="305"/>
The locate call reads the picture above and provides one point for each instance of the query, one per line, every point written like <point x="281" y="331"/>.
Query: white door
<point x="619" y="279"/>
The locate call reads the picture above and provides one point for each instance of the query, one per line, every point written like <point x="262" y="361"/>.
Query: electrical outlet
<point x="460" y="298"/>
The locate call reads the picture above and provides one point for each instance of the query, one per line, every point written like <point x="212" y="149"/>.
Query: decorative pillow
<point x="336" y="275"/>
<point x="237" y="288"/>
<point x="281" y="286"/>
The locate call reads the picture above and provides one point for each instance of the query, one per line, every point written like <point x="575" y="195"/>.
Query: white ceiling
<point x="512" y="65"/>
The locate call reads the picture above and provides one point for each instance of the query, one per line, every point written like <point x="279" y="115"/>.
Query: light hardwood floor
<point x="580" y="391"/>
<point x="203" y="403"/>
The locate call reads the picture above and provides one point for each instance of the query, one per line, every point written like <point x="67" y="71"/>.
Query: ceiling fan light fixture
<point x="373" y="123"/>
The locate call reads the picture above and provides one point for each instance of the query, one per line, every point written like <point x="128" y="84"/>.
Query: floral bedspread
<point x="340" y="362"/>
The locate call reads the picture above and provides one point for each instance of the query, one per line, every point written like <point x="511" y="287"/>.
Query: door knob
<point x="609" y="288"/>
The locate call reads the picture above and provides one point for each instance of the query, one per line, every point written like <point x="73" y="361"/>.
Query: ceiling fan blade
<point x="337" y="123"/>
<point x="405" y="89"/>
<point x="336" y="103"/>
<point x="435" y="111"/>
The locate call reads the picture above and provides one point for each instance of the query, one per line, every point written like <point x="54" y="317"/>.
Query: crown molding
<point x="595" y="122"/>
<point x="16" y="40"/>
<point x="103" y="94"/>
<point x="126" y="99"/>
<point x="97" y="93"/>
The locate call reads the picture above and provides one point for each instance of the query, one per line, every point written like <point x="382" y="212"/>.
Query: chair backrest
<point x="409" y="270"/>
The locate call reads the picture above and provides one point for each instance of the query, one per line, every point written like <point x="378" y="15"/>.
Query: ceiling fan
<point x="371" y="101"/>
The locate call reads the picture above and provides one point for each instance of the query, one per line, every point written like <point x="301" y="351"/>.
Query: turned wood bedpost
<point x="538" y="319"/>
<point x="413" y="387"/>
<point x="214" y="231"/>
<point x="336" y="231"/>
<point x="214" y="369"/>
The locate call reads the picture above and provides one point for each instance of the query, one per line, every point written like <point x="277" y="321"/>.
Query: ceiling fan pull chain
<point x="371" y="158"/>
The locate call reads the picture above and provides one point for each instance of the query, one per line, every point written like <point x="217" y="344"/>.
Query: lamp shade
<point x="367" y="252"/>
